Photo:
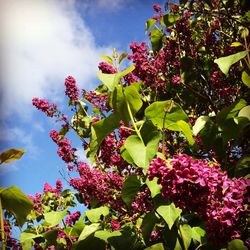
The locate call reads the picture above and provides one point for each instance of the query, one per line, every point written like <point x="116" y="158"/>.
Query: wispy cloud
<point x="18" y="138"/>
<point x="42" y="42"/>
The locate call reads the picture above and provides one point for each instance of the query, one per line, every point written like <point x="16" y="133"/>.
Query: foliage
<point x="168" y="140"/>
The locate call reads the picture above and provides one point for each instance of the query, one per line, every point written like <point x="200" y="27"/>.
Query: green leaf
<point x="112" y="80"/>
<point x="119" y="98"/>
<point x="121" y="57"/>
<point x="104" y="234"/>
<point x="125" y="155"/>
<point x="186" y="235"/>
<point x="95" y="214"/>
<point x="242" y="167"/>
<point x="198" y="233"/>
<point x="158" y="246"/>
<point x="226" y="62"/>
<point x="185" y="128"/>
<point x="154" y="187"/>
<point x="108" y="59"/>
<point x="27" y="240"/>
<point x="236" y="244"/>
<point x="170" y="213"/>
<point x="236" y="44"/>
<point x="100" y="130"/>
<point x="230" y="111"/>
<point x="141" y="154"/>
<point x="245" y="77"/>
<point x="15" y="201"/>
<point x="169" y="19"/>
<point x="156" y="39"/>
<point x="200" y="124"/>
<point x="165" y="114"/>
<point x="88" y="230"/>
<point x="54" y="218"/>
<point x="133" y="97"/>
<point x="149" y="24"/>
<point x="245" y="112"/>
<point x="136" y="150"/>
<point x="10" y="155"/>
<point x="51" y="236"/>
<point x="148" y="223"/>
<point x="130" y="188"/>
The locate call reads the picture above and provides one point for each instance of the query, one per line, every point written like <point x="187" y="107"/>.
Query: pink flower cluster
<point x="72" y="218"/>
<point x="194" y="185"/>
<point x="106" y="68"/>
<point x="65" y="151"/>
<point x="11" y="243"/>
<point x="96" y="185"/>
<point x="154" y="70"/>
<point x="45" y="106"/>
<point x="72" y="90"/>
<point x="99" y="101"/>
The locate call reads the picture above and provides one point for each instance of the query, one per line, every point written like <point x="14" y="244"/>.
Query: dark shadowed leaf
<point x="130" y="188"/>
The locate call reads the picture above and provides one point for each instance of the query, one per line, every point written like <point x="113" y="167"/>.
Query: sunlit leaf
<point x="170" y="213"/>
<point x="200" y="124"/>
<point x="27" y="240"/>
<point x="198" y="233"/>
<point x="10" y="155"/>
<point x="245" y="112"/>
<point x="163" y="117"/>
<point x="95" y="213"/>
<point x="140" y="153"/>
<point x="53" y="218"/>
<point x="154" y="187"/>
<point x="149" y="24"/>
<point x="88" y="230"/>
<point x="245" y="77"/>
<point x="186" y="235"/>
<point x="226" y="62"/>
<point x="108" y="59"/>
<point x="15" y="201"/>
<point x="122" y="57"/>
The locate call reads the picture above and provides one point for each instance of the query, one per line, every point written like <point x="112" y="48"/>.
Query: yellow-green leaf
<point x="245" y="77"/>
<point x="226" y="62"/>
<point x="10" y="155"/>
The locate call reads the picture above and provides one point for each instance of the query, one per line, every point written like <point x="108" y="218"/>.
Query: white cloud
<point x="18" y="138"/>
<point x="42" y="42"/>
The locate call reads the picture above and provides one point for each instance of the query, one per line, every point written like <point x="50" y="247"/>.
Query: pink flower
<point x="72" y="90"/>
<point x="115" y="225"/>
<point x="157" y="7"/>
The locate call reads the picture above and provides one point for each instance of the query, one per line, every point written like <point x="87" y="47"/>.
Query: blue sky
<point x="44" y="41"/>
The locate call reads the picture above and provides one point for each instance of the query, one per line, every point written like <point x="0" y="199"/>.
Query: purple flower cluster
<point x="72" y="218"/>
<point x="45" y="106"/>
<point x="106" y="68"/>
<point x="72" y="90"/>
<point x="11" y="243"/>
<point x="37" y="204"/>
<point x="65" y="151"/>
<point x="142" y="202"/>
<point x="194" y="185"/>
<point x="154" y="70"/>
<point x="96" y="185"/>
<point x="99" y="101"/>
<point x="48" y="188"/>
